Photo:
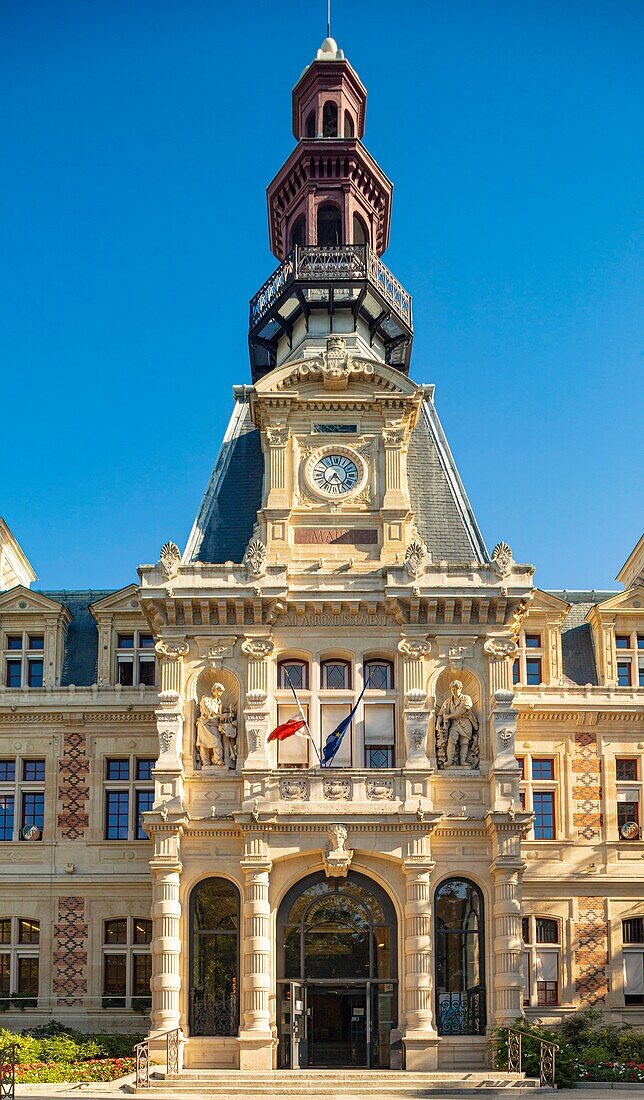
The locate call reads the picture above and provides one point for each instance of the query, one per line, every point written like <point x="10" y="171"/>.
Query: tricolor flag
<point x="287" y="729"/>
<point x="334" y="740"/>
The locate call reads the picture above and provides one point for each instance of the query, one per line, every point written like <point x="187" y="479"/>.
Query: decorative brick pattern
<point x="586" y="791"/>
<point x="73" y="788"/>
<point x="70" y="953"/>
<point x="592" y="952"/>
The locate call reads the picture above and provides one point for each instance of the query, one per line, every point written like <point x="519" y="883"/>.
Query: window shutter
<point x="379" y="724"/>
<point x="634" y="973"/>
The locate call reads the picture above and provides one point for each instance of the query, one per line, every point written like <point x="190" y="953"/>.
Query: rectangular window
<point x="125" y="671"/>
<point x="5" y="973"/>
<point x="547" y="977"/>
<point x="516" y="671"/>
<point x="35" y="670"/>
<point x="27" y="976"/>
<point x="142" y="930"/>
<point x="7" y="771"/>
<point x="28" y="931"/>
<point x="379" y="735"/>
<point x="640" y="674"/>
<point x="634" y="977"/>
<point x="331" y="714"/>
<point x="147" y="670"/>
<point x="116" y="815"/>
<point x="544" y="810"/>
<point x="144" y="769"/>
<point x="336" y="674"/>
<point x="626" y="770"/>
<point x="125" y="641"/>
<point x="293" y="674"/>
<point x="36" y="641"/>
<point x="115" y="931"/>
<point x="335" y="429"/>
<point x="33" y="771"/>
<point x="14" y="641"/>
<point x="622" y="641"/>
<point x="117" y="769"/>
<point x="144" y="802"/>
<point x="33" y="810"/>
<point x="628" y="814"/>
<point x="294" y="751"/>
<point x="623" y="674"/>
<point x="640" y="641"/>
<point x="115" y="980"/>
<point x="533" y="671"/>
<point x="6" y="816"/>
<point x="379" y="675"/>
<point x="632" y="930"/>
<point x="146" y="641"/>
<point x="533" y="641"/>
<point x="543" y="769"/>
<point x="14" y="673"/>
<point x="141" y="974"/>
<point x="521" y="763"/>
<point x="5" y="930"/>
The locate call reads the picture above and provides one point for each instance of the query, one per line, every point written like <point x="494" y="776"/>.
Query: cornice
<point x="73" y="717"/>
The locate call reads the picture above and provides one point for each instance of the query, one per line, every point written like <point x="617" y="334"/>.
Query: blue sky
<point x="136" y="142"/>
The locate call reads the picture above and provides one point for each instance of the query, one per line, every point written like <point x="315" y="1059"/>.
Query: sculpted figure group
<point x="216" y="731"/>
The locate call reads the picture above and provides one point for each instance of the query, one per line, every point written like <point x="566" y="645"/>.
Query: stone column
<point x="507" y="872"/>
<point x="168" y="771"/>
<point x="414" y="650"/>
<point x="420" y="1038"/>
<point x="257" y="651"/>
<point x="166" y="940"/>
<point x="501" y="652"/>
<point x="255" y="1038"/>
<point x="504" y="773"/>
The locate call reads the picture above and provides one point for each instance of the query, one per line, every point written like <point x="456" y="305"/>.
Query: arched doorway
<point x="214" y="958"/>
<point x="337" y="973"/>
<point x="460" y="958"/>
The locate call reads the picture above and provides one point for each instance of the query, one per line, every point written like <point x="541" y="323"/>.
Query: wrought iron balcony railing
<point x="318" y="264"/>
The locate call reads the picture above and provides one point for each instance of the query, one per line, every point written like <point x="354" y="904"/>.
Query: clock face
<point x="335" y="475"/>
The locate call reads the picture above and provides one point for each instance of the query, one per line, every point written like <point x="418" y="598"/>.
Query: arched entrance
<point x="460" y="958"/>
<point x="214" y="958"/>
<point x="337" y="973"/>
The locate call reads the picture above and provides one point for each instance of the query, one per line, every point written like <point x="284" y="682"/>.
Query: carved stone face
<point x="456" y="688"/>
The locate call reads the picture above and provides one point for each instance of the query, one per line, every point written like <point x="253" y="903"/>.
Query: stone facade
<point x="488" y="782"/>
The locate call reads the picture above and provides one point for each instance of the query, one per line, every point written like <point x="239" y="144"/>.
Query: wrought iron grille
<point x="172" y="1052"/>
<point x="462" y="1013"/>
<point x="547" y="1055"/>
<point x="213" y="1015"/>
<point x="319" y="263"/>
<point x="8" y="1072"/>
<point x="142" y="1052"/>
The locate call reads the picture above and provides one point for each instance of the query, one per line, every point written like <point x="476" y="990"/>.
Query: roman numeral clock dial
<point x="335" y="475"/>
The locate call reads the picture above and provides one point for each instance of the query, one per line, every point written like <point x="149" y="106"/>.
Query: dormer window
<point x="24" y="664"/>
<point x="629" y="651"/>
<point x="330" y="119"/>
<point x="528" y="666"/>
<point x="135" y="661"/>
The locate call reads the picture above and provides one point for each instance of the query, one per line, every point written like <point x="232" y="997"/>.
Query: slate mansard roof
<point x="229" y="508"/>
<point x="577" y="648"/>
<point x="81" y="643"/>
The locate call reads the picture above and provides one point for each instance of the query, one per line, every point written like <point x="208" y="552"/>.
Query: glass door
<point x="382" y="1018"/>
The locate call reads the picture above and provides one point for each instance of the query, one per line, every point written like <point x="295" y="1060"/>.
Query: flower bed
<point x="94" y="1069"/>
<point x="609" y="1071"/>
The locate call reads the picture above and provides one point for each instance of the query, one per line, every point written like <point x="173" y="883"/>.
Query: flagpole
<point x="303" y="716"/>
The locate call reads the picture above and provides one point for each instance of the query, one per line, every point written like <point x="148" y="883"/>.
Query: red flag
<point x="287" y="729"/>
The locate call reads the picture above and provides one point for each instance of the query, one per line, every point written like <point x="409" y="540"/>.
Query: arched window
<point x="298" y="231"/>
<point x="379" y="675"/>
<point x="460" y="957"/>
<point x="127" y="962"/>
<point x="336" y="673"/>
<point x="349" y="128"/>
<point x="19" y="939"/>
<point x="360" y="231"/>
<point x="293" y="673"/>
<point x="309" y="126"/>
<point x="330" y="119"/>
<point x="214" y="967"/>
<point x="329" y="225"/>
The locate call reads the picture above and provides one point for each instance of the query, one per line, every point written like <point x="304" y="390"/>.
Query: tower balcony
<point x="320" y="289"/>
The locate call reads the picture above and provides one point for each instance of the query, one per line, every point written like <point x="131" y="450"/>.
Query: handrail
<point x="142" y="1053"/>
<point x="547" y="1055"/>
<point x="8" y="1072"/>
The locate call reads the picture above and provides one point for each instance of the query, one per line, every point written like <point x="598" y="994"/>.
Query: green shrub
<point x="52" y="1043"/>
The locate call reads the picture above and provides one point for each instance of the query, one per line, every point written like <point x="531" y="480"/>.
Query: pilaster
<point x="414" y="651"/>
<point x="420" y="1037"/>
<point x="166" y="869"/>
<point x="168" y="771"/>
<point x="507" y="872"/>
<point x="256" y="711"/>
<point x="256" y="1038"/>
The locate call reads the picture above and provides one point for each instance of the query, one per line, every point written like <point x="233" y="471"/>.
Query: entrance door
<point x="337" y="1025"/>
<point x="298" y="1025"/>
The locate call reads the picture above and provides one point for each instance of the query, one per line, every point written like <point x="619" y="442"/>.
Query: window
<point x="528" y="667"/>
<point x="628" y="798"/>
<point x="538" y="793"/>
<point x="349" y="126"/>
<point x="622" y="641"/>
<point x="630" y="660"/>
<point x="329" y="226"/>
<point x="543" y="769"/>
<point x="360" y="231"/>
<point x="309" y="125"/>
<point x="379" y="735"/>
<point x="22" y="801"/>
<point x="460" y="955"/>
<point x="293" y="674"/>
<point x="294" y="751"/>
<point x="516" y="671"/>
<point x="544" y="811"/>
<point x="24" y="664"/>
<point x="298" y="231"/>
<point x="331" y="714"/>
<point x="623" y="674"/>
<point x="533" y="671"/>
<point x="19" y="939"/>
<point x="336" y="675"/>
<point x="129" y="793"/>
<point x="214" y="958"/>
<point x="633" y="934"/>
<point x="330" y="119"/>
<point x="541" y="951"/>
<point x="379" y="675"/>
<point x="127" y="962"/>
<point x="135" y="660"/>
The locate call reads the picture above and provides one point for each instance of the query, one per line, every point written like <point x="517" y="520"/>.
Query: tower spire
<point x="328" y="18"/>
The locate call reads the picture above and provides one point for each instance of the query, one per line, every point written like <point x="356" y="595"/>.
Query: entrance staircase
<point x="333" y="1084"/>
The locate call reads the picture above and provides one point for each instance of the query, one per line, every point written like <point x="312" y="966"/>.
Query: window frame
<point x="16" y="950"/>
<point x="131" y="787"/>
<point x="19" y="789"/>
<point x="624" y="787"/>
<point x="26" y="656"/>
<point x="134" y="656"/>
<point x="541" y="997"/>
<point x="529" y="787"/>
<point x="629" y="657"/>
<point x="128" y="949"/>
<point x="529" y="653"/>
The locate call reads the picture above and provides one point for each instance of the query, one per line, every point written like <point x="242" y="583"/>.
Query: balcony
<point x="316" y="278"/>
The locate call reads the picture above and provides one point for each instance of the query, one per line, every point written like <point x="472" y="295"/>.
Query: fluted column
<point x="256" y="1039"/>
<point x="501" y="653"/>
<point x="507" y="873"/>
<point x="277" y="439"/>
<point x="166" y="941"/>
<point x="420" y="1034"/>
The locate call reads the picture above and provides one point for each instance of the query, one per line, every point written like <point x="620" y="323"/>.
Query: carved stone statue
<point x="216" y="731"/>
<point x="457" y="741"/>
<point x="337" y="858"/>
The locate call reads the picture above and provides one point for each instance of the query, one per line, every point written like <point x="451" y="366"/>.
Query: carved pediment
<point x="24" y="600"/>
<point x="335" y="369"/>
<point x="125" y="600"/>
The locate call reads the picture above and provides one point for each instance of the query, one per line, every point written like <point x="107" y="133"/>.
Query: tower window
<point x="360" y="231"/>
<point x="329" y="226"/>
<point x="309" y="125"/>
<point x="349" y="128"/>
<point x="298" y="231"/>
<point x="330" y="119"/>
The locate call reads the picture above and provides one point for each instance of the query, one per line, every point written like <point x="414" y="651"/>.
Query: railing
<point x="142" y="1052"/>
<point x="8" y="1072"/>
<point x="547" y="1055"/>
<point x="213" y="1015"/>
<point x="328" y="264"/>
<point x="462" y="1013"/>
